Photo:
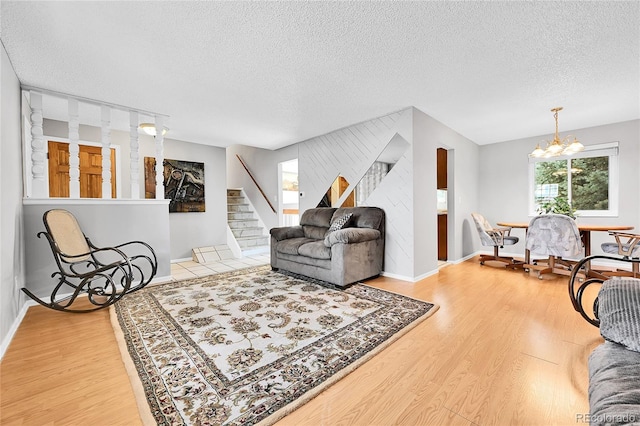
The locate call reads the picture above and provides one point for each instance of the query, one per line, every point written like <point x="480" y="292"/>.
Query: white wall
<point x="350" y="152"/>
<point x="191" y="230"/>
<point x="463" y="188"/>
<point x="504" y="181"/>
<point x="11" y="228"/>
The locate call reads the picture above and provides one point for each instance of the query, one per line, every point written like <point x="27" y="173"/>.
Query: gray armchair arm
<point x="286" y="232"/>
<point x="351" y="235"/>
<point x="498" y="234"/>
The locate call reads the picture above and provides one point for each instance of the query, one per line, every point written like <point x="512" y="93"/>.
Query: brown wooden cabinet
<point x="442" y="237"/>
<point x="442" y="168"/>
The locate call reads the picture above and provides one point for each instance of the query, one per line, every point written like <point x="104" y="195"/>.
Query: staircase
<point x="244" y="225"/>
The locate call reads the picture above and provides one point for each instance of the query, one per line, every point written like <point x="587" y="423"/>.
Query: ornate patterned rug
<point x="250" y="346"/>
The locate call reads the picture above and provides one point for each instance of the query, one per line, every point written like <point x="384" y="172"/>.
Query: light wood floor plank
<point x="504" y="348"/>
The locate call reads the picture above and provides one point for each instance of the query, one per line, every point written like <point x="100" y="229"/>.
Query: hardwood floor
<point x="504" y="348"/>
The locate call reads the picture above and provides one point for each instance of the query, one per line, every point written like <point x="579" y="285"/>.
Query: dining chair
<point x="557" y="237"/>
<point x="628" y="246"/>
<point x="494" y="237"/>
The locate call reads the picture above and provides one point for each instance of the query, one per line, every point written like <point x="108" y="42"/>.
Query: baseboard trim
<point x="160" y="280"/>
<point x="14" y="327"/>
<point x="397" y="276"/>
<point x="407" y="278"/>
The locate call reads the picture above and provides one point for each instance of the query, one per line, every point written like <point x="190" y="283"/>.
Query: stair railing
<point x="256" y="183"/>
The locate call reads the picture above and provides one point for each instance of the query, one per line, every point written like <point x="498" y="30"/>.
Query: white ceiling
<point x="269" y="74"/>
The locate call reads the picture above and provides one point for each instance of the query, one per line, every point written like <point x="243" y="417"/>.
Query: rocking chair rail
<point x="103" y="274"/>
<point x="577" y="291"/>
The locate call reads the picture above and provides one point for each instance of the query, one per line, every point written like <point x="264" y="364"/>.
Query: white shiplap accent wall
<point x="395" y="196"/>
<point x="350" y="152"/>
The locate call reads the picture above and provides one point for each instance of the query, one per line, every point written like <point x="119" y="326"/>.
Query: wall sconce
<point x="150" y="129"/>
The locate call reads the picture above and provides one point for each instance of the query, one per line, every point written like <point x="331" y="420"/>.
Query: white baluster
<point x="159" y="158"/>
<point x="39" y="181"/>
<point x="106" y="152"/>
<point x="134" y="146"/>
<point x="74" y="149"/>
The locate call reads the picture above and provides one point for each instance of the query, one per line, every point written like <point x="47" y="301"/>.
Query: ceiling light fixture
<point x="558" y="147"/>
<point x="150" y="129"/>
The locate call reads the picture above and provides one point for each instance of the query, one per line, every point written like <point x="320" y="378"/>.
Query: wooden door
<point x="90" y="171"/>
<point x="441" y="168"/>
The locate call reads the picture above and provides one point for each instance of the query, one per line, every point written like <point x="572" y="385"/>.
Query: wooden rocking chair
<point x="103" y="274"/>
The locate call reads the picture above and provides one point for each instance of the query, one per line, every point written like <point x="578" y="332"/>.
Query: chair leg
<point x="634" y="273"/>
<point x="497" y="258"/>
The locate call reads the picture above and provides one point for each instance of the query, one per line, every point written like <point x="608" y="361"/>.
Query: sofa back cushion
<point x="315" y="222"/>
<point x="362" y="217"/>
<point x="619" y="311"/>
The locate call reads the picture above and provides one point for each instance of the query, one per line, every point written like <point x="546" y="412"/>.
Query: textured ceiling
<point x="270" y="74"/>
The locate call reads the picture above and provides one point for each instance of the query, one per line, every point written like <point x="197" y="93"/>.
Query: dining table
<point x="585" y="234"/>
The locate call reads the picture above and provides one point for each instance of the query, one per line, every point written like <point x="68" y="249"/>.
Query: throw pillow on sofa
<point x="339" y="223"/>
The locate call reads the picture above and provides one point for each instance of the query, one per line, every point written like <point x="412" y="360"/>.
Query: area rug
<point x="250" y="346"/>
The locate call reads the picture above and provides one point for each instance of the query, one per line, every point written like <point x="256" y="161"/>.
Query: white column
<point x="134" y="146"/>
<point x="106" y="152"/>
<point x="159" y="158"/>
<point x="40" y="185"/>
<point x="74" y="149"/>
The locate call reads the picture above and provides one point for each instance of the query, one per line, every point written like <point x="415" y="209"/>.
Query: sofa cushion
<point x="363" y="217"/>
<point x="614" y="385"/>
<point x="309" y="263"/>
<point x="292" y="245"/>
<point x="315" y="222"/>
<point x="317" y="217"/>
<point x="286" y="232"/>
<point x="316" y="249"/>
<point x="314" y="232"/>
<point x="351" y="236"/>
<point x="619" y="312"/>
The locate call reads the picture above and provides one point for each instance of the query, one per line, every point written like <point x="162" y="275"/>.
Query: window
<point x="588" y="180"/>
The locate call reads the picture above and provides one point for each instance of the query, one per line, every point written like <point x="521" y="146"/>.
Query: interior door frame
<point x="116" y="148"/>
<point x="280" y="190"/>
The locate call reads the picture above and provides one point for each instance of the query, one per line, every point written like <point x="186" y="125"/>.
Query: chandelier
<point x="558" y="147"/>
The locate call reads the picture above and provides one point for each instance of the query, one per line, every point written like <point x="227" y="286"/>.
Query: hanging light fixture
<point x="558" y="147"/>
<point x="150" y="129"/>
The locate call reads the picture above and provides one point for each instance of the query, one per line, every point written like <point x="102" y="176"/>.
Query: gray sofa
<point x="614" y="366"/>
<point x="325" y="248"/>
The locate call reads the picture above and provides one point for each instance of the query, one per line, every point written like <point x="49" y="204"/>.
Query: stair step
<point x="239" y="215"/>
<point x="247" y="232"/>
<point x="243" y="223"/>
<point x="252" y="251"/>
<point x="239" y="208"/>
<point x="247" y="242"/>
<point x="235" y="200"/>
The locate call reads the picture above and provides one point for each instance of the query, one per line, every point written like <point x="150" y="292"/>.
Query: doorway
<point x="288" y="201"/>
<point x="442" y="203"/>
<point x="90" y="170"/>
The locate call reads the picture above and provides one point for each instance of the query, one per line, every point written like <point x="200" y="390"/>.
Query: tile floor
<point x="191" y="269"/>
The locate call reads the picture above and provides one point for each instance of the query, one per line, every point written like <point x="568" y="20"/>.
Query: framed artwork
<point x="183" y="184"/>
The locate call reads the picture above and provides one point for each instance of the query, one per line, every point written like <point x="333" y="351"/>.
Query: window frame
<point x="611" y="150"/>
